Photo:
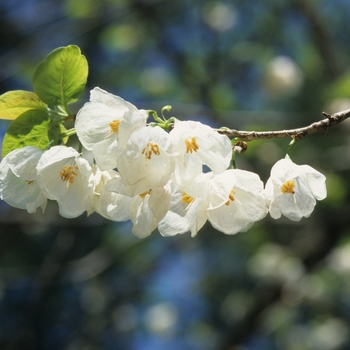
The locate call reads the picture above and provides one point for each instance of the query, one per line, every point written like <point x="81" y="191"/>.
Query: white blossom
<point x="147" y="161"/>
<point x="236" y="201"/>
<point x="232" y="201"/>
<point x="292" y="190"/>
<point x="18" y="182"/>
<point x="146" y="209"/>
<point x="186" y="213"/>
<point x="105" y="124"/>
<point x="108" y="204"/>
<point x="66" y="177"/>
<point x="198" y="144"/>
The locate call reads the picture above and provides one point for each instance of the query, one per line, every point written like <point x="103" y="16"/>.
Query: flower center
<point x="114" y="125"/>
<point x="288" y="187"/>
<point x="143" y="195"/>
<point x="67" y="174"/>
<point x="191" y="145"/>
<point x="149" y="149"/>
<point x="231" y="197"/>
<point x="186" y="198"/>
<point x="30" y="183"/>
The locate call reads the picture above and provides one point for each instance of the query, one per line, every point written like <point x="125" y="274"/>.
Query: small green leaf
<point x="61" y="135"/>
<point x="14" y="103"/>
<point x="32" y="128"/>
<point x="61" y="78"/>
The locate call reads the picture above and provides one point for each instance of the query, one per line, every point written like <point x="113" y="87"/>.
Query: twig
<point x="296" y="134"/>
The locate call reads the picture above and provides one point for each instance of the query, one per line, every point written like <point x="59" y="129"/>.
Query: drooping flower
<point x="67" y="178"/>
<point x="148" y="209"/>
<point x="105" y="124"/>
<point x="197" y="144"/>
<point x="18" y="181"/>
<point x="145" y="209"/>
<point x="292" y="190"/>
<point x="185" y="214"/>
<point x="147" y="161"/>
<point x="232" y="201"/>
<point x="109" y="204"/>
<point x="236" y="201"/>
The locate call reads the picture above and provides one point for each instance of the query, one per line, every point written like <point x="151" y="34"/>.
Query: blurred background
<point x="88" y="284"/>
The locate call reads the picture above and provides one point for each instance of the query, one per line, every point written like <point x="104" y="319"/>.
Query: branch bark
<point x="296" y="134"/>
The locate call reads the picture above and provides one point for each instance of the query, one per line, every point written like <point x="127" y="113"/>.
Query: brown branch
<point x="296" y="134"/>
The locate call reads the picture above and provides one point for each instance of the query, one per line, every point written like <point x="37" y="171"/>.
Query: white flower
<point x="110" y="205"/>
<point x="18" y="182"/>
<point x="198" y="144"/>
<point x="186" y="213"/>
<point x="236" y="201"/>
<point x="146" y="209"/>
<point x="104" y="125"/>
<point x="292" y="190"/>
<point x="232" y="201"/>
<point x="147" y="162"/>
<point x="66" y="177"/>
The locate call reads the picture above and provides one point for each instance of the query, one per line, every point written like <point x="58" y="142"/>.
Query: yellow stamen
<point x="186" y="198"/>
<point x="231" y="197"/>
<point x="68" y="173"/>
<point x="30" y="182"/>
<point x="114" y="125"/>
<point x="191" y="145"/>
<point x="288" y="187"/>
<point x="143" y="195"/>
<point x="149" y="149"/>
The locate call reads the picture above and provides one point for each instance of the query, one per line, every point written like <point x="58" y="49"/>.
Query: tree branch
<point x="295" y="134"/>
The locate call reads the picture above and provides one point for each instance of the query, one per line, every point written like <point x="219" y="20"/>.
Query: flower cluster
<point x="155" y="178"/>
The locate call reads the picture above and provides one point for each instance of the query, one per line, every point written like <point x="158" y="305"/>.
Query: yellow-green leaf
<point x="15" y="103"/>
<point x="32" y="128"/>
<point x="61" y="78"/>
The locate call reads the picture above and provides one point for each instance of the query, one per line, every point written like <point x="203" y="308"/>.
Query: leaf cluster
<point x="38" y="117"/>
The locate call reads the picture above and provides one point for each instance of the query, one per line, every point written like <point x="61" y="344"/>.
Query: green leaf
<point x="15" y="103"/>
<point x="61" y="78"/>
<point x="32" y="128"/>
